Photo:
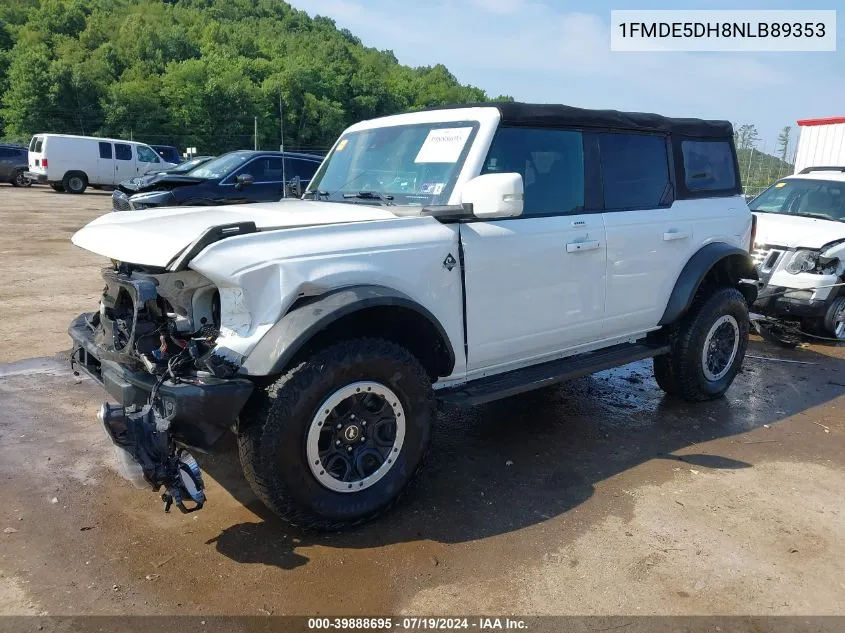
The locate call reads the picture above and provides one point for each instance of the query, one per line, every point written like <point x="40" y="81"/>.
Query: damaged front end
<point x="152" y="346"/>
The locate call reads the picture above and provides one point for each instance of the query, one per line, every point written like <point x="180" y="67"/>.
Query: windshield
<point x="222" y="166"/>
<point x="824" y="199"/>
<point x="188" y="165"/>
<point x="403" y="165"/>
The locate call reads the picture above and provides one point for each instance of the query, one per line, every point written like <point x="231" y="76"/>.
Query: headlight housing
<point x="150" y="199"/>
<point x="803" y="261"/>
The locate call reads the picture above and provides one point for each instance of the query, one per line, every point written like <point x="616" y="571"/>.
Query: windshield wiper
<point x="370" y="195"/>
<point x="316" y="193"/>
<point x="818" y="216"/>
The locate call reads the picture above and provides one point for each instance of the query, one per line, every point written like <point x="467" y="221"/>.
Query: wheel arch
<point x="718" y="262"/>
<point x="351" y="312"/>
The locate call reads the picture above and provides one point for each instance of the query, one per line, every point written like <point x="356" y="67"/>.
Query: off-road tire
<point x="75" y="182"/>
<point x="275" y="423"/>
<point x="681" y="372"/>
<point x="57" y="187"/>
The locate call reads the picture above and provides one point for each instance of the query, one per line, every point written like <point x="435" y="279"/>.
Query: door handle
<point x="577" y="247"/>
<point x="670" y="236"/>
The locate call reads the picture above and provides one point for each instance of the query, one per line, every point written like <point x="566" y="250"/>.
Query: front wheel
<point x="834" y="321"/>
<point x="337" y="439"/>
<point x="707" y="348"/>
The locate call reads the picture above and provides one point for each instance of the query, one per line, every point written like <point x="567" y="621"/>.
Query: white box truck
<point x="821" y="143"/>
<point x="73" y="163"/>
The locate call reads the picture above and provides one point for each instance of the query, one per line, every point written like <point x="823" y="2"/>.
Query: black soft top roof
<point x="553" y="115"/>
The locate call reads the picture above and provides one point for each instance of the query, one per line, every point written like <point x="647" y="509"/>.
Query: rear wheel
<point x="707" y="347"/>
<point x="21" y="179"/>
<point x="75" y="182"/>
<point x="337" y="439"/>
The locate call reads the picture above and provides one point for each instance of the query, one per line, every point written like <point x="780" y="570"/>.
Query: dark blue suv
<point x="233" y="178"/>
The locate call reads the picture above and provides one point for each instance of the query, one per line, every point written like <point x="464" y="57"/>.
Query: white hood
<point x="153" y="237"/>
<point x="778" y="229"/>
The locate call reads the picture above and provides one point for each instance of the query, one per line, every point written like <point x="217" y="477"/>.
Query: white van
<point x="71" y="163"/>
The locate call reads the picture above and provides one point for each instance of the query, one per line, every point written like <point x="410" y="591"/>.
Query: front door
<point x="147" y="161"/>
<point x="535" y="285"/>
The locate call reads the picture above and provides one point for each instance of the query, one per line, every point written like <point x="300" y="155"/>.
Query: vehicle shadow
<point x="514" y="463"/>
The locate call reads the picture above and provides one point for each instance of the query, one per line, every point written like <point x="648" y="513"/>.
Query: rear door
<point x="648" y="239"/>
<point x="124" y="162"/>
<point x="105" y="164"/>
<point x="535" y="284"/>
<point x="8" y="158"/>
<point x="302" y="169"/>
<point x="36" y="155"/>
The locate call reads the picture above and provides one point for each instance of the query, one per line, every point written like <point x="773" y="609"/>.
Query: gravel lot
<point x="596" y="497"/>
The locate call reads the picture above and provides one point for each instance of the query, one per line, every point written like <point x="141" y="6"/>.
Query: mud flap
<point x="148" y="454"/>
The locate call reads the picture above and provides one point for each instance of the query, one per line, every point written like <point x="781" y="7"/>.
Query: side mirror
<point x="243" y="180"/>
<point x="494" y="195"/>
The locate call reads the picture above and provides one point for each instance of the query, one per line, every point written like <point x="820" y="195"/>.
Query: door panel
<point x="647" y="239"/>
<point x="105" y="164"/>
<point x="124" y="163"/>
<point x="645" y="253"/>
<point x="534" y="287"/>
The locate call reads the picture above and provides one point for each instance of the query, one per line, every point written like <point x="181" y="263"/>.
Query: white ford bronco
<point x="800" y="251"/>
<point x="461" y="255"/>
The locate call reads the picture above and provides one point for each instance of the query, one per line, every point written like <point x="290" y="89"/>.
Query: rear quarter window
<point x="708" y="165"/>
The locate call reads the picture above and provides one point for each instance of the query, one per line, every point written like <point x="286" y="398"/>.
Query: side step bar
<point x="520" y="380"/>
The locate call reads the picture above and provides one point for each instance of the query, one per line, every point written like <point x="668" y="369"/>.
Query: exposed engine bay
<point x="152" y="346"/>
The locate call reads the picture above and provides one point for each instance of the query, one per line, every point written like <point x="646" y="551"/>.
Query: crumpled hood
<point x="797" y="232"/>
<point x="155" y="236"/>
<point x="160" y="180"/>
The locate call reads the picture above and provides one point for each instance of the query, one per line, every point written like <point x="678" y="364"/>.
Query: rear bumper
<point x="36" y="176"/>
<point x="202" y="407"/>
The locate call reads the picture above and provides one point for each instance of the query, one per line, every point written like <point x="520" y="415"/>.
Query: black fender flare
<point x="312" y="315"/>
<point x="698" y="267"/>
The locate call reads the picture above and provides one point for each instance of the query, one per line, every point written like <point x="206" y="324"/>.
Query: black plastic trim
<point x="694" y="272"/>
<point x="281" y="343"/>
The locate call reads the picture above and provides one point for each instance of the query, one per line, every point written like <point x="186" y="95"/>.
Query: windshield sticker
<point x="432" y="188"/>
<point x="341" y="145"/>
<point x="444" y="145"/>
<point x="780" y="184"/>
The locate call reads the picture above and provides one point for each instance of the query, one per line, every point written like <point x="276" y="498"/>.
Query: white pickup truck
<point x="463" y="254"/>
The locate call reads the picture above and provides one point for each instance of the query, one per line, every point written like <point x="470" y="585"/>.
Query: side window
<point x="146" y="155"/>
<point x="305" y="169"/>
<point x="263" y="169"/>
<point x="635" y="171"/>
<point x="122" y="151"/>
<point x="551" y="163"/>
<point x="708" y="165"/>
<point x="105" y="150"/>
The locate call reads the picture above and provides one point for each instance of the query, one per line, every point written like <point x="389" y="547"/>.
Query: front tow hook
<point x="148" y="456"/>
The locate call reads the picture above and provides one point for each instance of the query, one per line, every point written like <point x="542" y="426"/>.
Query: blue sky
<point x="559" y="52"/>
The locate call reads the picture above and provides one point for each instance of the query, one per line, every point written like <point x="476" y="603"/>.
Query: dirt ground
<point x="596" y="497"/>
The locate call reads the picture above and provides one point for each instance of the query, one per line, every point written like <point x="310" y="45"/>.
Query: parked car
<point x="168" y="153"/>
<point x="72" y="163"/>
<point x="13" y="165"/>
<point x="800" y="250"/>
<point x="234" y="178"/>
<point x="463" y="254"/>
